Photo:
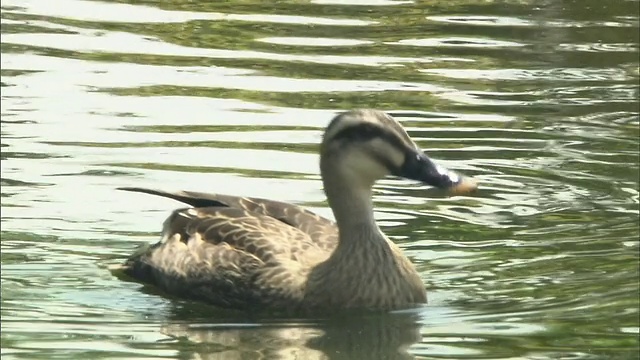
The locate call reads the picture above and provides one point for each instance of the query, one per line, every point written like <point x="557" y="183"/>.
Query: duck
<point x="254" y="254"/>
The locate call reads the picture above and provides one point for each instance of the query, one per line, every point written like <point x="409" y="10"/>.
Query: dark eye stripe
<point x="360" y="132"/>
<point x="366" y="132"/>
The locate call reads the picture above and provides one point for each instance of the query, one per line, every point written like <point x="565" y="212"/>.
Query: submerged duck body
<point x="258" y="254"/>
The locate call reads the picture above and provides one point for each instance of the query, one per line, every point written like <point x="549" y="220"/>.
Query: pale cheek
<point x="385" y="150"/>
<point x="364" y="168"/>
<point x="396" y="157"/>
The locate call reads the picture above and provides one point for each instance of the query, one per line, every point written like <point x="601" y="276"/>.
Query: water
<point x="536" y="99"/>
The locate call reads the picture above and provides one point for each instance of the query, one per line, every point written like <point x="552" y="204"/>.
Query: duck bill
<point x="418" y="166"/>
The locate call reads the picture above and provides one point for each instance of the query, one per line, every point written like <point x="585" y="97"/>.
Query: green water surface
<point x="538" y="100"/>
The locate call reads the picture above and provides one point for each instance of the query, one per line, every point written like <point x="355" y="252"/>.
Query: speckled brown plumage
<point x="258" y="254"/>
<point x="235" y="252"/>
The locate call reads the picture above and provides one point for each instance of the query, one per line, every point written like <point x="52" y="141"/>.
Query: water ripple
<point x="536" y="101"/>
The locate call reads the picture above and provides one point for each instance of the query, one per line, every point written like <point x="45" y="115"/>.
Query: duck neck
<point x="352" y="207"/>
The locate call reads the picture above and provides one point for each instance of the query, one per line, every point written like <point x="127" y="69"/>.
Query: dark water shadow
<point x="241" y="336"/>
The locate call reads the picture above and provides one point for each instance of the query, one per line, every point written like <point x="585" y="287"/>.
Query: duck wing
<point x="321" y="230"/>
<point x="234" y="252"/>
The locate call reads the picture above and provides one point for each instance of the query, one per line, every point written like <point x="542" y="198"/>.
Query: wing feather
<point x="321" y="230"/>
<point x="230" y="257"/>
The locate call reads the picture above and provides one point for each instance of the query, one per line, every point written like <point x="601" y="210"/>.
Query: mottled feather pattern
<point x="259" y="254"/>
<point x="249" y="254"/>
<point x="392" y="280"/>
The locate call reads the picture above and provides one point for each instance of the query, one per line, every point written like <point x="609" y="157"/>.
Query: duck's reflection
<point x="380" y="336"/>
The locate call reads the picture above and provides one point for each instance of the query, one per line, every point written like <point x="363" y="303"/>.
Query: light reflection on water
<point x="537" y="101"/>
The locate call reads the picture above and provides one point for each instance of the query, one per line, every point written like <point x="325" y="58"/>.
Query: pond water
<point x="538" y="100"/>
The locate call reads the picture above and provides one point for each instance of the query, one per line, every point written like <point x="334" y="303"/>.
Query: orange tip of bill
<point x="464" y="186"/>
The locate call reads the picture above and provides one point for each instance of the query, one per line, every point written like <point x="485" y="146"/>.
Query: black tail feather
<point x="193" y="199"/>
